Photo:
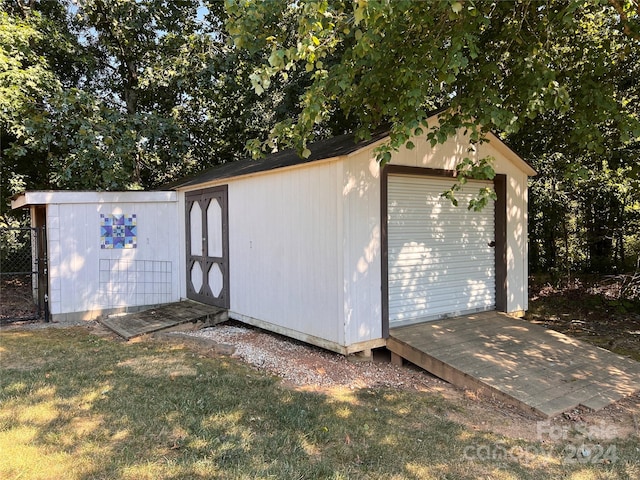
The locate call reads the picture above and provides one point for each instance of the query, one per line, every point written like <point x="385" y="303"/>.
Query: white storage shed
<point x="106" y="252"/>
<point x="333" y="250"/>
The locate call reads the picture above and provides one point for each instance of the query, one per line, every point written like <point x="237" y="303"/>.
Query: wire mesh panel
<point x="18" y="274"/>
<point x="16" y="250"/>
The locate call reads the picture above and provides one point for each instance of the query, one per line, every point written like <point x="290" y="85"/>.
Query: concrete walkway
<point x="521" y="363"/>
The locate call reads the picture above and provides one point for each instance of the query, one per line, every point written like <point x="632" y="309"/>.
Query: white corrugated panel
<point x="440" y="261"/>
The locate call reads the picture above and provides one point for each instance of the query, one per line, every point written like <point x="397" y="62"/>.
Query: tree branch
<point x="625" y="18"/>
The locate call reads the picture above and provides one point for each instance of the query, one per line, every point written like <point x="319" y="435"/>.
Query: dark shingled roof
<point x="323" y="149"/>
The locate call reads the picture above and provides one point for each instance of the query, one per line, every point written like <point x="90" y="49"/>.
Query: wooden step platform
<point x="163" y="317"/>
<point x="527" y="365"/>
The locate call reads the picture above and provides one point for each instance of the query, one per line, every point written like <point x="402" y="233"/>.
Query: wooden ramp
<point x="521" y="363"/>
<point x="164" y="316"/>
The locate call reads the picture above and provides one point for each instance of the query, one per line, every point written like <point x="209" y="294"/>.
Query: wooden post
<point x="396" y="359"/>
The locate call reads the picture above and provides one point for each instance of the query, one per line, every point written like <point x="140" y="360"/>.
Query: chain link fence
<point x="16" y="250"/>
<point x="18" y="275"/>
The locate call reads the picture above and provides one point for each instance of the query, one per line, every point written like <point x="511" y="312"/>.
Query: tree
<point x="25" y="81"/>
<point x="585" y="201"/>
<point x="111" y="125"/>
<point x="128" y="94"/>
<point x="492" y="65"/>
<point x="556" y="79"/>
<point x="112" y="95"/>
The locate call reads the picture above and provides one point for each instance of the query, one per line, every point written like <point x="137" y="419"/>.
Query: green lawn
<point x="77" y="406"/>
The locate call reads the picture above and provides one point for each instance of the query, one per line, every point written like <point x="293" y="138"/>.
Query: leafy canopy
<point x="98" y="94"/>
<point x="491" y="65"/>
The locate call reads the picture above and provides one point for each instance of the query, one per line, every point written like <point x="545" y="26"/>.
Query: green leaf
<point x="256" y="83"/>
<point x="359" y="13"/>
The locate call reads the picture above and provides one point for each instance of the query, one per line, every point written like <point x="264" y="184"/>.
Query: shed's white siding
<point x="85" y="280"/>
<point x="304" y="251"/>
<point x="361" y="248"/>
<point x="285" y="244"/>
<point x="305" y="254"/>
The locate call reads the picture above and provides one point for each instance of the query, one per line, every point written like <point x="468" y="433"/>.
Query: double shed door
<point x="208" y="246"/>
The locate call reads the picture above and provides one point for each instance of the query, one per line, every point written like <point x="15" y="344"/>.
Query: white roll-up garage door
<point x="441" y="259"/>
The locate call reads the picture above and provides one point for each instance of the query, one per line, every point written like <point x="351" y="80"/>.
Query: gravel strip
<point x="305" y="365"/>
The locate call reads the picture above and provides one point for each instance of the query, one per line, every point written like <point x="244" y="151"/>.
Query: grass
<point x="77" y="406"/>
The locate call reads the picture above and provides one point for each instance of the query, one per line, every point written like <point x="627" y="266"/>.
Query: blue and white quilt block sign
<point x="118" y="231"/>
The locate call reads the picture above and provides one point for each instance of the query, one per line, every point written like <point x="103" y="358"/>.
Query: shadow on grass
<point x="75" y="406"/>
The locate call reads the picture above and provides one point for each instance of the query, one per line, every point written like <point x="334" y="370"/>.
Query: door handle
<point x="492" y="243"/>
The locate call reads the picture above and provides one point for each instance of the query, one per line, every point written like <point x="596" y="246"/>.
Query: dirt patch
<point x="19" y="362"/>
<point x="302" y="365"/>
<point x="158" y="366"/>
<point x="589" y="309"/>
<point x="16" y="299"/>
